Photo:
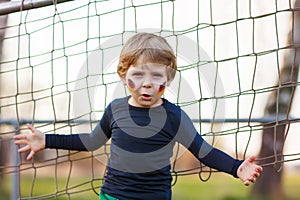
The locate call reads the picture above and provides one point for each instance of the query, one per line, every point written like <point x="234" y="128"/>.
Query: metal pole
<point x="15" y="194"/>
<point x="16" y="6"/>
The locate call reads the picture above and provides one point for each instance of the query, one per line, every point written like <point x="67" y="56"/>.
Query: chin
<point x="146" y="105"/>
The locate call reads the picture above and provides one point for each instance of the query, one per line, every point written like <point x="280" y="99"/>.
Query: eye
<point x="137" y="74"/>
<point x="158" y="75"/>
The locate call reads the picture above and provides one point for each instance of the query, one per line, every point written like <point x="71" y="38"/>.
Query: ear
<point x="168" y="83"/>
<point x="123" y="79"/>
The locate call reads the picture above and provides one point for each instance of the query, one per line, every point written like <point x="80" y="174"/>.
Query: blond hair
<point x="149" y="47"/>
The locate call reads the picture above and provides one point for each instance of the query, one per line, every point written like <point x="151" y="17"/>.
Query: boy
<point x="143" y="129"/>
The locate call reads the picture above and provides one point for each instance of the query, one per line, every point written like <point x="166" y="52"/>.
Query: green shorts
<point x="104" y="196"/>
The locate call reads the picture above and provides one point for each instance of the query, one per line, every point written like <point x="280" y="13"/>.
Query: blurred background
<point x="237" y="79"/>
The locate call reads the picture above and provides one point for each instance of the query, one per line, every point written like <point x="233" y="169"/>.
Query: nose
<point x="147" y="85"/>
<point x="147" y="82"/>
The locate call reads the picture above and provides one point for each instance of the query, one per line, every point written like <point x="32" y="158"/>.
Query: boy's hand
<point x="249" y="171"/>
<point x="34" y="142"/>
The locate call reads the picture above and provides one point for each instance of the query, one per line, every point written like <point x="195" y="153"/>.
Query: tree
<point x="269" y="186"/>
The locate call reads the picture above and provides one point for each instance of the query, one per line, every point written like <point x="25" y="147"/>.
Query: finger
<point x="252" y="179"/>
<point x="247" y="183"/>
<point x="257" y="174"/>
<point x="30" y="155"/>
<point x="19" y="137"/>
<point x="24" y="149"/>
<point x="259" y="169"/>
<point x="20" y="142"/>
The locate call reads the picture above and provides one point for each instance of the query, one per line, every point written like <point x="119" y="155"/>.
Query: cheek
<point x="133" y="84"/>
<point x="162" y="88"/>
<point x="130" y="84"/>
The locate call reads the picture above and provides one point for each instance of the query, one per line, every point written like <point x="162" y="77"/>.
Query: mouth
<point x="146" y="97"/>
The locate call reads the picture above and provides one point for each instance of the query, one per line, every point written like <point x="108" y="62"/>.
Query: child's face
<point x="146" y="83"/>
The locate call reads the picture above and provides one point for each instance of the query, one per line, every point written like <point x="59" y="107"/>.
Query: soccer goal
<point x="238" y="76"/>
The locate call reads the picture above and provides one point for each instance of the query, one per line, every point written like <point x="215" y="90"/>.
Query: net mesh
<point x="58" y="71"/>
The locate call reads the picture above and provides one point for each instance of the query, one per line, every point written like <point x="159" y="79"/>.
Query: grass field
<point x="219" y="187"/>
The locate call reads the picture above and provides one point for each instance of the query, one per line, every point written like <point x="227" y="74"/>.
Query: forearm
<point x="67" y="142"/>
<point x="213" y="157"/>
<point x="221" y="161"/>
<point x="80" y="142"/>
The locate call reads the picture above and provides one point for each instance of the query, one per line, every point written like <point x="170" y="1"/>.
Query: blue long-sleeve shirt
<point x="142" y="141"/>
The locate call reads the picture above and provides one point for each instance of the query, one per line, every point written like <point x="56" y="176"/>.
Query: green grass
<point x="218" y="187"/>
<point x="224" y="187"/>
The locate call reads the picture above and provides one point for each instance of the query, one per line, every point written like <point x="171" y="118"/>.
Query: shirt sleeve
<point x="204" y="152"/>
<point x="82" y="142"/>
<point x="213" y="157"/>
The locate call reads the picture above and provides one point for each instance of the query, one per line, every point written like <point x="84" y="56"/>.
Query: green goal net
<point x="58" y="71"/>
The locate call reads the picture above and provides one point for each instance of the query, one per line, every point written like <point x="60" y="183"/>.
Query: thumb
<point x="30" y="155"/>
<point x="30" y="127"/>
<point x="251" y="159"/>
